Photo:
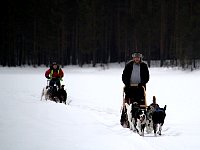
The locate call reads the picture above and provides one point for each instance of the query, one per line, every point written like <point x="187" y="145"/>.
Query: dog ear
<point x="127" y="105"/>
<point x="131" y="105"/>
<point x="165" y="107"/>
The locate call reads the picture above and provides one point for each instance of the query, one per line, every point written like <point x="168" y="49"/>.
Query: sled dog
<point x="158" y="118"/>
<point x="45" y="93"/>
<point x="136" y="118"/>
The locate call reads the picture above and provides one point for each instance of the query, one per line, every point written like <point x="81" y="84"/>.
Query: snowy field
<point x="92" y="120"/>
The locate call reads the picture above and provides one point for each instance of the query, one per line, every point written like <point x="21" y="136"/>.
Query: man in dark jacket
<point x="135" y="76"/>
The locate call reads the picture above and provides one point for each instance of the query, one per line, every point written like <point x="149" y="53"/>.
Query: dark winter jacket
<point x="144" y="73"/>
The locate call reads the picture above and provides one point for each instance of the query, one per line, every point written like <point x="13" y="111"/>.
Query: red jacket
<point x="54" y="73"/>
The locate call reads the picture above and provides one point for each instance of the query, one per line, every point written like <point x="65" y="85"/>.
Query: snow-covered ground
<point x="92" y="120"/>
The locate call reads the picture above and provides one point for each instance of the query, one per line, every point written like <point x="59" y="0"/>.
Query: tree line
<point x="36" y="32"/>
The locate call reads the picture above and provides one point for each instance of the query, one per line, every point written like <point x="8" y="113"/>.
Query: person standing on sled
<point x="135" y="76"/>
<point x="55" y="74"/>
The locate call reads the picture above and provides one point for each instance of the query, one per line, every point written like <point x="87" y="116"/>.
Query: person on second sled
<point x="135" y="76"/>
<point x="55" y="74"/>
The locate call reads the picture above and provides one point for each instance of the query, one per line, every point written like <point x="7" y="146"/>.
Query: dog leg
<point x="160" y="129"/>
<point x="130" y="119"/>
<point x="155" y="129"/>
<point x="138" y="127"/>
<point x="131" y="125"/>
<point x="134" y="125"/>
<point x="143" y="126"/>
<point x="149" y="126"/>
<point x="48" y="95"/>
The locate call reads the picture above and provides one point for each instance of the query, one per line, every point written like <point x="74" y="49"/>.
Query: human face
<point x="136" y="59"/>
<point x="54" y="66"/>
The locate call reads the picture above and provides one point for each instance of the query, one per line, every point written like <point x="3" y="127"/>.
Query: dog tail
<point x="42" y="94"/>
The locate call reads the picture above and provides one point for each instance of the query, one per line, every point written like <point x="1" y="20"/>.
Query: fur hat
<point x="54" y="63"/>
<point x="137" y="54"/>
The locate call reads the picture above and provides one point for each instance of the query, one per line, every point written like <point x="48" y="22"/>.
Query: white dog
<point x="131" y="120"/>
<point x="141" y="122"/>
<point x="45" y="93"/>
<point x="136" y="118"/>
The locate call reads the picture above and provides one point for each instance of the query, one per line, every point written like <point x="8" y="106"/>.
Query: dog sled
<point x="137" y="116"/>
<point x="54" y="93"/>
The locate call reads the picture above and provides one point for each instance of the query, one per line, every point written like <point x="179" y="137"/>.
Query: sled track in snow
<point x="105" y="116"/>
<point x="111" y="119"/>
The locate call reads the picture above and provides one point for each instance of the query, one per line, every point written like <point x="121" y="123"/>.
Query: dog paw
<point x="159" y="133"/>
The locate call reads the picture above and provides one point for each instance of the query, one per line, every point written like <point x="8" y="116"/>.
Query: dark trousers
<point x="135" y="94"/>
<point x="54" y="81"/>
